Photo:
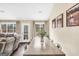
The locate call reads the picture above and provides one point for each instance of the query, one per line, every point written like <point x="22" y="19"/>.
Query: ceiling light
<point x="39" y="11"/>
<point x="2" y="11"/>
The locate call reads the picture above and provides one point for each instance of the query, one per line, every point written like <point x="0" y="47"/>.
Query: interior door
<point x="25" y="32"/>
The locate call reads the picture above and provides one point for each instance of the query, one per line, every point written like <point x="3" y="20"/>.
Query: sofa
<point x="8" y="43"/>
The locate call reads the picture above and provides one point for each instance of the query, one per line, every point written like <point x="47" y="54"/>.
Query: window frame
<point x="7" y="28"/>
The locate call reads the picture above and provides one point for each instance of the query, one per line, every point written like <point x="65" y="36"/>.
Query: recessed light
<point x="39" y="11"/>
<point x="2" y="11"/>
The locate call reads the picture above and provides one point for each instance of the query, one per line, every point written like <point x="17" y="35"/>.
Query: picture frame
<point x="72" y="16"/>
<point x="54" y="23"/>
<point x="60" y="21"/>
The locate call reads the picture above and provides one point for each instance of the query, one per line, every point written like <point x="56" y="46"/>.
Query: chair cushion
<point x="2" y="35"/>
<point x="17" y="39"/>
<point x="2" y="46"/>
<point x="9" y="44"/>
<point x="2" y="38"/>
<point x="9" y="35"/>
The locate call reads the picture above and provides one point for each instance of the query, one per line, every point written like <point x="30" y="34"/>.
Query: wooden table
<point x="50" y="50"/>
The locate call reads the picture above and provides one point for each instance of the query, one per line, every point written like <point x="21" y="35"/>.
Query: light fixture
<point x="39" y="11"/>
<point x="2" y="11"/>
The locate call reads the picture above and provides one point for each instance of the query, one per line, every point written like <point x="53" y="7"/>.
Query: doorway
<point x="25" y="32"/>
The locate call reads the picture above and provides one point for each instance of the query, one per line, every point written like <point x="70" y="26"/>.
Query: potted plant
<point x="42" y="33"/>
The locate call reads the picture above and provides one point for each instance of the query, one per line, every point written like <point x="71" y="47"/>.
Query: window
<point x="3" y="26"/>
<point x="39" y="27"/>
<point x="25" y="32"/>
<point x="14" y="27"/>
<point x="8" y="28"/>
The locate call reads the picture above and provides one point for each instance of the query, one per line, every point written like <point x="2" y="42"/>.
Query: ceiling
<point x="26" y="11"/>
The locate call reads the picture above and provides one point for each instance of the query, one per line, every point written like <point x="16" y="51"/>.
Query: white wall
<point x="68" y="37"/>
